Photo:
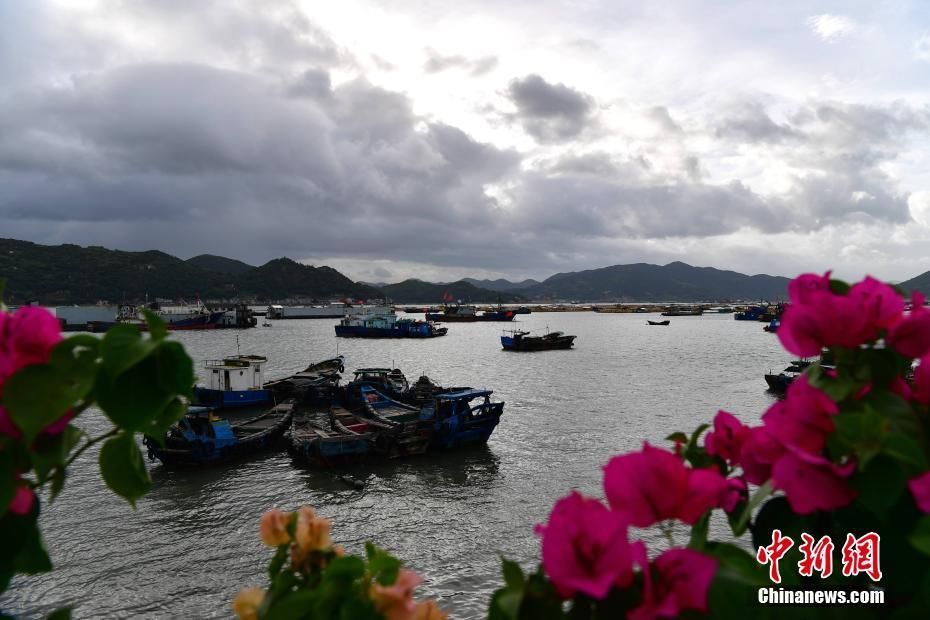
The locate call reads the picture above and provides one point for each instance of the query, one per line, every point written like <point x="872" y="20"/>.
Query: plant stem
<point x="110" y="433"/>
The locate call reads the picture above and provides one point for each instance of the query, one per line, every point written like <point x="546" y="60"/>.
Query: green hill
<point x="418" y="291"/>
<point x="219" y="263"/>
<point x="644" y="282"/>
<point x="71" y="274"/>
<point x="917" y="283"/>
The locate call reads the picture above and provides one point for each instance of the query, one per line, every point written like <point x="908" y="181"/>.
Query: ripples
<point x="193" y="542"/>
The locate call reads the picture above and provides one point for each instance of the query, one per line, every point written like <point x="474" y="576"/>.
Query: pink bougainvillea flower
<point x="273" y="529"/>
<point x="920" y="489"/>
<point x="759" y="454"/>
<point x="22" y="501"/>
<point x="901" y="387"/>
<point x="428" y="610"/>
<point x="807" y="285"/>
<point x="585" y="547"/>
<point x="727" y="438"/>
<point x="31" y="334"/>
<point x="653" y="485"/>
<point x="804" y="419"/>
<point x="799" y="331"/>
<point x="682" y="580"/>
<point x="395" y="601"/>
<point x="911" y="336"/>
<point x="921" y="384"/>
<point x="811" y="482"/>
<point x="880" y="303"/>
<point x="247" y="602"/>
<point x="737" y="491"/>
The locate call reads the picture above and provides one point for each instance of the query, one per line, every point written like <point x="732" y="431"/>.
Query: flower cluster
<point x="847" y="448"/>
<point x="316" y="567"/>
<point x="27" y="337"/>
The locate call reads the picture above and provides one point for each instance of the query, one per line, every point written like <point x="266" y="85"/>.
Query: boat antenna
<point x="238" y="352"/>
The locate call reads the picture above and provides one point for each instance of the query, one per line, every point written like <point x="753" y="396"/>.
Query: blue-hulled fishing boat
<point x="234" y="381"/>
<point x="201" y="438"/>
<point x="456" y="422"/>
<point x="517" y="340"/>
<point x="332" y="437"/>
<point x="387" y="326"/>
<point x="403" y="431"/>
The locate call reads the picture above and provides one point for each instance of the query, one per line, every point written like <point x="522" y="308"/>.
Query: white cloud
<point x="922" y="48"/>
<point x="830" y="27"/>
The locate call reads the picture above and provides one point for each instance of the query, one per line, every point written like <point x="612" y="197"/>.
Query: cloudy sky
<point x="436" y="140"/>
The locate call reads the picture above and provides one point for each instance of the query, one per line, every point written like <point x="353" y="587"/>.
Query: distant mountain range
<point x="69" y="274"/>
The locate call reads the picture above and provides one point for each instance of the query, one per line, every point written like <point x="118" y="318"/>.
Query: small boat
<point x="329" y="438"/>
<point x="778" y="382"/>
<point x="501" y="314"/>
<point x="390" y="382"/>
<point x="657" y="322"/>
<point x="424" y="391"/>
<point x="316" y="384"/>
<point x="387" y="326"/>
<point x="266" y="324"/>
<point x="403" y="434"/>
<point x="772" y="327"/>
<point x="522" y="341"/>
<point x="200" y="438"/>
<point x="234" y="381"/>
<point x="455" y="422"/>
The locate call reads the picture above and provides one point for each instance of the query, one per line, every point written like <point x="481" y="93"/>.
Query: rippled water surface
<point x="193" y="540"/>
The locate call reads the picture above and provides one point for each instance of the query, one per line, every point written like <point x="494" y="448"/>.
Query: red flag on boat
<point x="447" y="296"/>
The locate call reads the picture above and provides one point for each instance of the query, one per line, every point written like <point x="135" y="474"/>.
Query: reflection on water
<point x="193" y="542"/>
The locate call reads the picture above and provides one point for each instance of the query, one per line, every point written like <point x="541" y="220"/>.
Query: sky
<point x="439" y="140"/>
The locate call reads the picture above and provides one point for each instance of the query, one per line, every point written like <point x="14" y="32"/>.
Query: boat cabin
<point x="236" y="373"/>
<point x="459" y="403"/>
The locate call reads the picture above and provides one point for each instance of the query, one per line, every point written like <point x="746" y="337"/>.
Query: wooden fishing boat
<point x="778" y="382"/>
<point x="201" y="438"/>
<point x="330" y="437"/>
<point x="402" y="432"/>
<point x="234" y="381"/>
<point x="456" y="422"/>
<point x="522" y="341"/>
<point x="657" y="322"/>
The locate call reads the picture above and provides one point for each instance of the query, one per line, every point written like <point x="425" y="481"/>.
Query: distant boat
<point x="773" y="326"/>
<point x="658" y="322"/>
<point x="522" y="341"/>
<point x="683" y="312"/>
<point x="387" y="326"/>
<point x="454" y="314"/>
<point x="200" y="438"/>
<point x="779" y="382"/>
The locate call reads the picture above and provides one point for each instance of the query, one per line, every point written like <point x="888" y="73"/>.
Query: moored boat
<point x="387" y="326"/>
<point x="657" y="322"/>
<point x="329" y="438"/>
<point x="454" y="314"/>
<point x="404" y="433"/>
<point x="523" y="341"/>
<point x="234" y="381"/>
<point x="778" y="382"/>
<point x="390" y="382"/>
<point x="455" y="422"/>
<point x="200" y="438"/>
<point x="683" y="311"/>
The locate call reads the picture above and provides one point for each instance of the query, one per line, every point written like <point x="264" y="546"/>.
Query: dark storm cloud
<point x="349" y="170"/>
<point x="550" y="112"/>
<point x="436" y="63"/>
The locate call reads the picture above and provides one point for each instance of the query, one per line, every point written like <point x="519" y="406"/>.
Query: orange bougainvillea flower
<point x="247" y="602"/>
<point x="274" y="528"/>
<point x="395" y="601"/>
<point x="312" y="532"/>
<point x="429" y="610"/>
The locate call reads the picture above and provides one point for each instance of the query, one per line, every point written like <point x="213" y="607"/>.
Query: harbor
<point x="565" y="411"/>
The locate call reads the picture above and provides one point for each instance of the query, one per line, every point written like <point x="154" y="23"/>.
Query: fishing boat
<point x="778" y="382"/>
<point x="315" y="385"/>
<point x="772" y="327"/>
<point x="522" y="341"/>
<point x="201" y="438"/>
<point x="500" y="314"/>
<point x="657" y="322"/>
<point x="403" y="432"/>
<point x="424" y="390"/>
<point x="391" y="382"/>
<point x="332" y="437"/>
<point x="683" y="311"/>
<point x="234" y="381"/>
<point x="454" y="313"/>
<point x="456" y="422"/>
<point x="387" y="326"/>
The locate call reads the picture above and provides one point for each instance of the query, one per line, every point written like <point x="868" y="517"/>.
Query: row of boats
<point x="376" y="414"/>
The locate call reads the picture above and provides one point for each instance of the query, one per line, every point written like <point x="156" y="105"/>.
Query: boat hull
<point x="344" y="331"/>
<point x="537" y="344"/>
<point x="451" y="318"/>
<point x="231" y="399"/>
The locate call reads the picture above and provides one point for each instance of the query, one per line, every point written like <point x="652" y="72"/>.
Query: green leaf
<point x="920" y="536"/>
<point x="677" y="437"/>
<point x="175" y="369"/>
<point x="52" y="451"/>
<point x="58" y="483"/>
<point x="123" y="469"/>
<point x="505" y="605"/>
<point x="513" y="574"/>
<point x="7" y="480"/>
<point x="738" y="565"/>
<point x="346" y="568"/>
<point x="133" y="399"/>
<point x="697" y="433"/>
<point x="293" y="605"/>
<point x="699" y="533"/>
<point x="880" y="485"/>
<point x="905" y="449"/>
<point x="383" y="566"/>
<point x="61" y="614"/>
<point x="277" y="562"/>
<point x="742" y="522"/>
<point x="157" y="327"/>
<point x="839" y="287"/>
<point x="123" y="347"/>
<point x="21" y="546"/>
<point x="157" y="427"/>
<point x="859" y="433"/>
<point x="38" y="395"/>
